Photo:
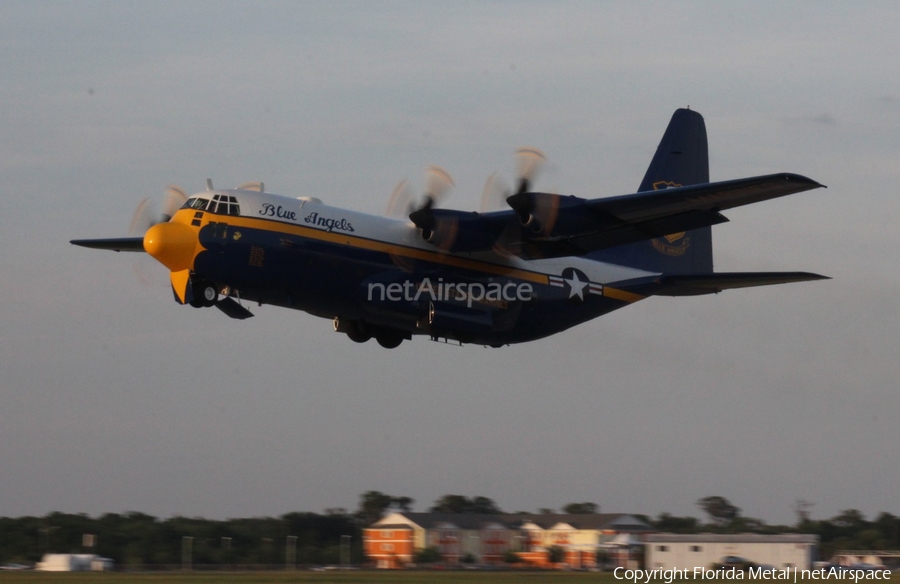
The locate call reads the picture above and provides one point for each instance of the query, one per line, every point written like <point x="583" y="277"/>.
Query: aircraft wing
<point x="544" y="225"/>
<point x="115" y="244"/>
<point x="708" y="198"/>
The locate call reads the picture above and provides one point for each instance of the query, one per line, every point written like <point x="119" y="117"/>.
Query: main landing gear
<point x="360" y="332"/>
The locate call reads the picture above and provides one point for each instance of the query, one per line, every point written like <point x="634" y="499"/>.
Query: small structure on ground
<point x="73" y="563"/>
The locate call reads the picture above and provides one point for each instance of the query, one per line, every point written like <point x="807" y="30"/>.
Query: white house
<point x="688" y="551"/>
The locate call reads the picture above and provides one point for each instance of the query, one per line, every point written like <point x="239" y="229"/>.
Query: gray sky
<point x="114" y="398"/>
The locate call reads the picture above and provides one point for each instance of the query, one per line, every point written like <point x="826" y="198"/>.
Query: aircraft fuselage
<point x="378" y="275"/>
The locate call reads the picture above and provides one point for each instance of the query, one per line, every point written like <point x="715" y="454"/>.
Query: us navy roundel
<point x="576" y="283"/>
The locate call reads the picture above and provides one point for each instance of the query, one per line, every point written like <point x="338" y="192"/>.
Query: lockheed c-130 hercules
<point x="545" y="264"/>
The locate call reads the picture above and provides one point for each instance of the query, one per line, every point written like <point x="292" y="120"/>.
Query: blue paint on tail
<point x="681" y="159"/>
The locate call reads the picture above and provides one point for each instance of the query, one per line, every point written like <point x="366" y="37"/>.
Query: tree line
<point x="139" y="540"/>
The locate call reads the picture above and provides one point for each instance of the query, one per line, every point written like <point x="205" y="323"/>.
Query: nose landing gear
<point x="205" y="293"/>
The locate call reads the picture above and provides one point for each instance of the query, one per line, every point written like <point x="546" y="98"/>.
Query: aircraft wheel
<point x="352" y="329"/>
<point x="205" y="294"/>
<point x="209" y="293"/>
<point x="389" y="341"/>
<point x="357" y="336"/>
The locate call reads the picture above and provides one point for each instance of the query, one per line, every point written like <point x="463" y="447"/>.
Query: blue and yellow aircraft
<point x="547" y="263"/>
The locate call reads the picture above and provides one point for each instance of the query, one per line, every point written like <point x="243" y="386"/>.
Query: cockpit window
<point x="195" y="203"/>
<point x="221" y="204"/>
<point x="224" y="205"/>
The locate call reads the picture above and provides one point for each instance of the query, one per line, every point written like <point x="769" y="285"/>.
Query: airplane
<point x="493" y="278"/>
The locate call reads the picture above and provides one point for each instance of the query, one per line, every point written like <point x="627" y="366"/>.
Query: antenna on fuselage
<point x="253" y="186"/>
<point x="209" y="186"/>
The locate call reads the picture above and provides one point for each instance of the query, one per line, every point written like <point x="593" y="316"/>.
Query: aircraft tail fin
<point x="681" y="159"/>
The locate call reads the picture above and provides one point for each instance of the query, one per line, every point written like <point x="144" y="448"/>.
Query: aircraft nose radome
<point x="172" y="245"/>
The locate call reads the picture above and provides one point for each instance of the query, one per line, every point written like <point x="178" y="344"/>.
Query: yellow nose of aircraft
<point x="172" y="244"/>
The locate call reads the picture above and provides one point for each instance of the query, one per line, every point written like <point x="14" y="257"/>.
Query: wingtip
<point x="790" y="176"/>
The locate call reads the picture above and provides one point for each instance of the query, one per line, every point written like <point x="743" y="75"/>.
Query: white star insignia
<point x="576" y="286"/>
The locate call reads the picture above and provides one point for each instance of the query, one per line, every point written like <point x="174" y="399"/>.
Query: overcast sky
<point x="115" y="398"/>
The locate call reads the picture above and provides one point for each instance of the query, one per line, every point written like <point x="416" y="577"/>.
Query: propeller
<point x="146" y="216"/>
<point x="401" y="200"/>
<point x="537" y="213"/>
<point x="528" y="163"/>
<point x="438" y="183"/>
<point x="403" y="203"/>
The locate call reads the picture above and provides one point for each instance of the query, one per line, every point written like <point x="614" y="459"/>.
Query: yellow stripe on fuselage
<point x="622" y="295"/>
<point x="341" y="238"/>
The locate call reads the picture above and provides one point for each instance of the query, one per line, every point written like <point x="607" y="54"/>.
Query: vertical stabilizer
<point x="681" y="159"/>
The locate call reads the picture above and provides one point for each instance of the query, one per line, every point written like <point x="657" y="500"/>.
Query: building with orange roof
<point x="394" y="540"/>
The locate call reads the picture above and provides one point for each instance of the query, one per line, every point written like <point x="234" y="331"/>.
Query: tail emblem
<point x="666" y="244"/>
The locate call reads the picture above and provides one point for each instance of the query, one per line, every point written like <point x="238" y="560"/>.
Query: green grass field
<point x="335" y="577"/>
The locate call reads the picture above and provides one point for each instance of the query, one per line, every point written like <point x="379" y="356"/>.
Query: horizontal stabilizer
<point x="115" y="244"/>
<point x="698" y="284"/>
